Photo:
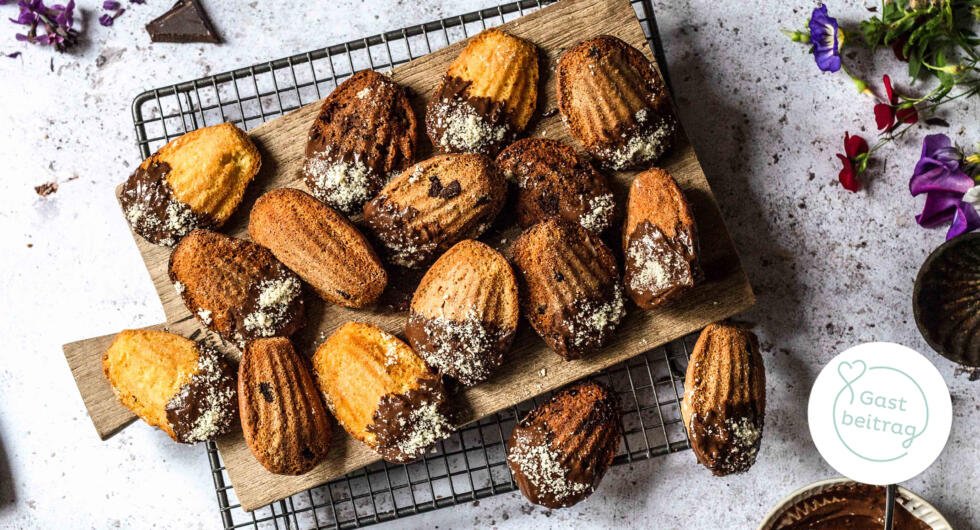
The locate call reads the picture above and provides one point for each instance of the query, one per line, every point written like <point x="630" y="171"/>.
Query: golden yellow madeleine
<point x="172" y="383"/>
<point x="195" y="181"/>
<point x="487" y="97"/>
<point x="381" y="391"/>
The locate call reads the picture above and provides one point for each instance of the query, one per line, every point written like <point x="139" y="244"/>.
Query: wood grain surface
<point x="530" y="368"/>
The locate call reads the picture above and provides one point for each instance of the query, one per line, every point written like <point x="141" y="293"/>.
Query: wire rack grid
<point x="471" y="464"/>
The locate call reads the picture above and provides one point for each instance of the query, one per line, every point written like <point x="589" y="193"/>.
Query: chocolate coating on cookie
<point x="152" y="210"/>
<point x="560" y="451"/>
<point x="458" y="123"/>
<point x="409" y="424"/>
<point x="207" y="405"/>
<point x="468" y="350"/>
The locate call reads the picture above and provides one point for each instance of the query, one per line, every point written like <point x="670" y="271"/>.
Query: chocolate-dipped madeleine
<point x="185" y="389"/>
<point x="555" y="181"/>
<point x="433" y="205"/>
<point x="195" y="181"/>
<point x="320" y="245"/>
<point x="487" y="97"/>
<point x="614" y="102"/>
<point x="366" y="130"/>
<point x="382" y="392"/>
<point x="659" y="240"/>
<point x="724" y="402"/>
<point x="236" y="288"/>
<point x="560" y="451"/>
<point x="463" y="315"/>
<point x="574" y="299"/>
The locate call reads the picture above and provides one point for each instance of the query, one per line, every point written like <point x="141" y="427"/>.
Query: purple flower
<point x="110" y="5"/>
<point x="823" y="36"/>
<point x="56" y="21"/>
<point x="938" y="174"/>
<point x="106" y="20"/>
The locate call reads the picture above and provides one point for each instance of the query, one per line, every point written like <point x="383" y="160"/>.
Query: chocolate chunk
<point x="435" y="186"/>
<point x="451" y="191"/>
<point x="185" y="22"/>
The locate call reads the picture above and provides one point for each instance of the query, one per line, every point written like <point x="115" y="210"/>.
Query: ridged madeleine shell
<point x="236" y="288"/>
<point x="946" y="299"/>
<point x="431" y="206"/>
<point x="320" y="245"/>
<point x="284" y="420"/>
<point x="573" y="298"/>
<point x="366" y="129"/>
<point x="487" y="97"/>
<point x="659" y="240"/>
<point x="614" y="102"/>
<point x="464" y="313"/>
<point x="381" y="391"/>
<point x="555" y="181"/>
<point x="724" y="402"/>
<point x="195" y="181"/>
<point x="560" y="451"/>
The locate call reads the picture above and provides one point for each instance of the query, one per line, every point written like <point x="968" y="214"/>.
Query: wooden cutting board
<point x="531" y="368"/>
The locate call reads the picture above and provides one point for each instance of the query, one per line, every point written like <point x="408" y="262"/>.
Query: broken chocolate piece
<point x="185" y="22"/>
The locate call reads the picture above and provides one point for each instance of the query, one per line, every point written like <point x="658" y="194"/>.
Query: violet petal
<point x="966" y="219"/>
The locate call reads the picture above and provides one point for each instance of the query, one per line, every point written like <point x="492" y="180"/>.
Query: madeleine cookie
<point x="320" y="245"/>
<point x="614" y="102"/>
<point x="195" y="181"/>
<point x="659" y="240"/>
<point x="366" y="130"/>
<point x="382" y="392"/>
<point x="560" y="451"/>
<point x="487" y="97"/>
<point x="434" y="205"/>
<point x="464" y="313"/>
<point x="724" y="402"/>
<point x="573" y="296"/>
<point x="554" y="181"/>
<point x="185" y="389"/>
<point x="284" y="420"/>
<point x="236" y="288"/>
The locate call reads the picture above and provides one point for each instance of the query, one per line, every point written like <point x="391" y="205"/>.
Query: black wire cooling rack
<point x="471" y="464"/>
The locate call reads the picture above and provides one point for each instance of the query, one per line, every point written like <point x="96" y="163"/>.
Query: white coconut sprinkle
<point x="745" y="435"/>
<point x="543" y="468"/>
<point x="428" y="425"/>
<point x="342" y="184"/>
<point x="462" y="348"/>
<point x="595" y="318"/>
<point x="215" y="415"/>
<point x="464" y="129"/>
<point x="599" y="211"/>
<point x="639" y="147"/>
<point x="653" y="261"/>
<point x="363" y="93"/>
<point x="205" y="316"/>
<point x="275" y="297"/>
<point x="179" y="287"/>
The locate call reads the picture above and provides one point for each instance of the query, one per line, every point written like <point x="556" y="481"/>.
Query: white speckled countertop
<point x="831" y="268"/>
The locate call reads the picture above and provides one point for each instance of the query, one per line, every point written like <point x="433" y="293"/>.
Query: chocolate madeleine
<point x="463" y="315"/>
<point x="487" y="97"/>
<point x="185" y="389"/>
<point x="724" y="402"/>
<point x="614" y="102"/>
<point x="382" y="392"/>
<point x="284" y="420"/>
<point x="195" y="181"/>
<point x="659" y="240"/>
<point x="573" y="296"/>
<point x="320" y="245"/>
<point x="236" y="288"/>
<point x="433" y="205"/>
<point x="560" y="451"/>
<point x="554" y="181"/>
<point x="365" y="131"/>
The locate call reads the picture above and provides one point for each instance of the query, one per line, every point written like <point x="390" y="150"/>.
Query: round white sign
<point x="880" y="413"/>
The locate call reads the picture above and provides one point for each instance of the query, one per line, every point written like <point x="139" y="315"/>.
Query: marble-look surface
<point x="831" y="268"/>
